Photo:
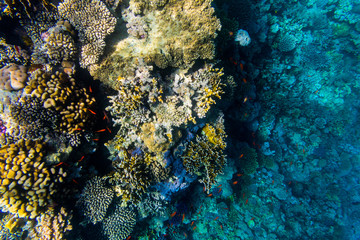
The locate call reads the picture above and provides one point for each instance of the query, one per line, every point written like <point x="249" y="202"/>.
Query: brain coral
<point x="177" y="34"/>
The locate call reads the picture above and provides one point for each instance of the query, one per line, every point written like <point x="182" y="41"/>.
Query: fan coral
<point x="119" y="224"/>
<point x="94" y="22"/>
<point x="204" y="155"/>
<point x="95" y="199"/>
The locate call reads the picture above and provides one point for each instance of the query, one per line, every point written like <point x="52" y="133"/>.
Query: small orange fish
<point x="235" y="182"/>
<point x="252" y="218"/>
<point x="289" y="183"/>
<point x="239" y="174"/>
<point x="194" y="228"/>
<point x="101" y="130"/>
<point x="244" y="80"/>
<point x="128" y="238"/>
<point x="231" y="33"/>
<point x="61" y="163"/>
<point x="235" y="63"/>
<point x="243" y="195"/>
<point x="95" y="139"/>
<point x="82" y="158"/>
<point x="316" y="92"/>
<point x="192" y="223"/>
<point x="273" y="181"/>
<point x="241" y="155"/>
<point x="247" y="200"/>
<point x="108" y="129"/>
<point x="77" y="129"/>
<point x="173" y="214"/>
<point x="242" y="67"/>
<point x="219" y="190"/>
<point x="185" y="235"/>
<point x="75" y="181"/>
<point x="183" y="217"/>
<point x="303" y="150"/>
<point x="245" y="99"/>
<point x="221" y="227"/>
<point x="220" y="185"/>
<point x="204" y="189"/>
<point x="90" y="89"/>
<point x="210" y="195"/>
<point x="216" y="218"/>
<point x="92" y="111"/>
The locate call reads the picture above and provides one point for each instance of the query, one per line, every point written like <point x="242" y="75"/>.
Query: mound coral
<point x="204" y="156"/>
<point x="13" y="77"/>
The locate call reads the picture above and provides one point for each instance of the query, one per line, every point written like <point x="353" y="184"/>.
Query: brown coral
<point x="13" y="77"/>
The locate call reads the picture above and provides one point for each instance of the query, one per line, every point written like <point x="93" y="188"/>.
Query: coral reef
<point x="120" y="223"/>
<point x="13" y="77"/>
<point x="95" y="199"/>
<point x="204" y="156"/>
<point x="52" y="225"/>
<point x="12" y="54"/>
<point x="172" y="33"/>
<point x="16" y="8"/>
<point x="27" y="183"/>
<point x="93" y="24"/>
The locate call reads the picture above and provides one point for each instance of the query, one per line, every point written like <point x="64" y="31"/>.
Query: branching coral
<point x="204" y="156"/>
<point x="94" y="22"/>
<point x="95" y="199"/>
<point x="26" y="183"/>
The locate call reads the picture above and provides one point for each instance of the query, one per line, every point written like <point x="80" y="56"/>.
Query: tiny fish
<point x="221" y="227"/>
<point x="173" y="214"/>
<point x="183" y="217"/>
<point x="239" y="174"/>
<point x="82" y="158"/>
<point x="272" y="181"/>
<point x="95" y="139"/>
<point x="220" y="185"/>
<point x="75" y="181"/>
<point x="185" y="235"/>
<point x="194" y="228"/>
<point x="101" y="130"/>
<point x="216" y="218"/>
<point x="192" y="223"/>
<point x="108" y="129"/>
<point x="247" y="200"/>
<point x="210" y="195"/>
<point x="219" y="190"/>
<point x="289" y="183"/>
<point x="90" y="89"/>
<point x="231" y="33"/>
<point x="235" y="182"/>
<point x="303" y="150"/>
<point x="242" y="67"/>
<point x="252" y="218"/>
<point x="92" y="111"/>
<point x="245" y="99"/>
<point x="241" y="155"/>
<point x="77" y="129"/>
<point x="128" y="238"/>
<point x="244" y="80"/>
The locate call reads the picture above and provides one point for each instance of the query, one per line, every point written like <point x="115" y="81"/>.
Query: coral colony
<point x="165" y="120"/>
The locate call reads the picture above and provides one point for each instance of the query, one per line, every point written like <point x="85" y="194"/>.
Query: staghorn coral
<point x="93" y="21"/>
<point x="51" y="225"/>
<point x="204" y="156"/>
<point x="13" y="77"/>
<point x="166" y="33"/>
<point x="95" y="199"/>
<point x="119" y="224"/>
<point x="26" y="183"/>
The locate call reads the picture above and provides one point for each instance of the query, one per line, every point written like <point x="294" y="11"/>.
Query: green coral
<point x="204" y="156"/>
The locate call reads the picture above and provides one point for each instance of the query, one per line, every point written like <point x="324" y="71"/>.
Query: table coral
<point x="167" y="34"/>
<point x="204" y="156"/>
<point x="26" y="182"/>
<point x="94" y="22"/>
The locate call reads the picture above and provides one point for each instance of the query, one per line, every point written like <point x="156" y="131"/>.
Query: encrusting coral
<point x="93" y="20"/>
<point x="204" y="156"/>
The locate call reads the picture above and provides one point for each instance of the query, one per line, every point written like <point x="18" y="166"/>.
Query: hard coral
<point x="95" y="199"/>
<point x="204" y="156"/>
<point x="13" y="77"/>
<point x="173" y="35"/>
<point x="26" y="183"/>
<point x="94" y="22"/>
<point x="119" y="224"/>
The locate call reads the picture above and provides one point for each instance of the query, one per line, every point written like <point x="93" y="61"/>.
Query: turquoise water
<point x="180" y="119"/>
